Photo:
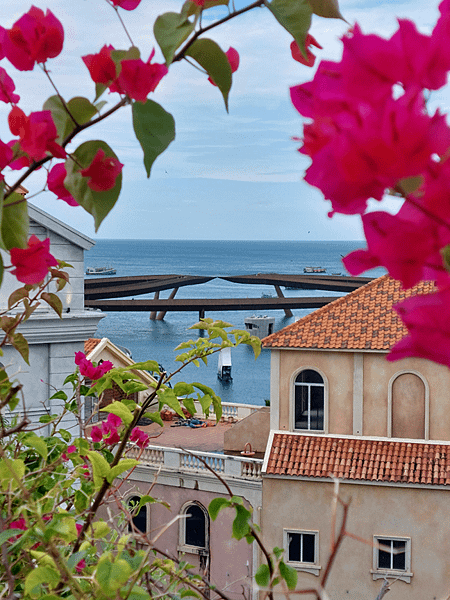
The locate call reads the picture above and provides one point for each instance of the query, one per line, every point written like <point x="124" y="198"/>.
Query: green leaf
<point x="37" y="443"/>
<point x="183" y="389"/>
<point x="17" y="296"/>
<point x="21" y="345"/>
<point x="15" y="222"/>
<point x="81" y="109"/>
<point x="189" y="404"/>
<point x="100" y="467"/>
<point x="148" y="365"/>
<point x="289" y="574"/>
<point x="326" y="8"/>
<point x="155" y="417"/>
<point x="170" y="31"/>
<point x="54" y="301"/>
<point x="169" y="397"/>
<point x="213" y="59"/>
<point x="262" y="576"/>
<point x="124" y="465"/>
<point x="41" y="575"/>
<point x="111" y="576"/>
<point x="120" y="410"/>
<point x="98" y="204"/>
<point x="154" y="128"/>
<point x="216" y="505"/>
<point x="59" y="395"/>
<point x="240" y="523"/>
<point x="294" y="16"/>
<point x="101" y="529"/>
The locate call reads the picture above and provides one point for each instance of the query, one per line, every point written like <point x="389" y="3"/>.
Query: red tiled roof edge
<point x="374" y="460"/>
<point x="90" y="344"/>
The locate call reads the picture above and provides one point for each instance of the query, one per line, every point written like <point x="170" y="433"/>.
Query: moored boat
<point x="314" y="270"/>
<point x="100" y="271"/>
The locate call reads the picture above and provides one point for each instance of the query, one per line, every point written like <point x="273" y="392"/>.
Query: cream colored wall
<point x="338" y="370"/>
<point x="421" y="514"/>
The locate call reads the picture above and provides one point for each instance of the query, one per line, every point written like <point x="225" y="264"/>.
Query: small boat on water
<point x="314" y="270"/>
<point x="100" y="271"/>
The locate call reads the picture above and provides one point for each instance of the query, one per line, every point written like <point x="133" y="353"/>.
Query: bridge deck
<point x="209" y="304"/>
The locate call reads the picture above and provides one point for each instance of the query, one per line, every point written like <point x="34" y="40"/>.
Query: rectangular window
<point x="302" y="550"/>
<point x="392" y="555"/>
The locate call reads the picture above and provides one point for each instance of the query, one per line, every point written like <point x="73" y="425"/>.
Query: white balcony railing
<point x="178" y="460"/>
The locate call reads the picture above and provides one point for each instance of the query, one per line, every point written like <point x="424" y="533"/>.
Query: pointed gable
<point x="361" y="320"/>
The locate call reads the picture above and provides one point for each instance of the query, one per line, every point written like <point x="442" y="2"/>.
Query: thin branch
<point x="123" y="24"/>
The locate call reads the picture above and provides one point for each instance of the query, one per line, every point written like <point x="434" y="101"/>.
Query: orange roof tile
<point x="90" y="344"/>
<point x="360" y="459"/>
<point x="363" y="319"/>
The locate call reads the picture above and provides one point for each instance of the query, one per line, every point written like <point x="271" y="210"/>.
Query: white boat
<point x="224" y="366"/>
<point x="100" y="271"/>
<point x="314" y="270"/>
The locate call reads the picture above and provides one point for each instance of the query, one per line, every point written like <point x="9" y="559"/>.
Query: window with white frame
<point x="302" y="550"/>
<point x="194" y="528"/>
<point x="392" y="558"/>
<point x="309" y="401"/>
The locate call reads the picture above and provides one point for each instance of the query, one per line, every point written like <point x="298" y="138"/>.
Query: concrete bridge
<point x="99" y="293"/>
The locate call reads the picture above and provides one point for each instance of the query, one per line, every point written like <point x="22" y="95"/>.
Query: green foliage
<point x="262" y="576"/>
<point x="154" y="128"/>
<point x="289" y="574"/>
<point x="119" y="409"/>
<point x="98" y="204"/>
<point x="213" y="59"/>
<point x="15" y="222"/>
<point x="81" y="111"/>
<point x="171" y="30"/>
<point x="326" y="8"/>
<point x="294" y="16"/>
<point x="54" y="301"/>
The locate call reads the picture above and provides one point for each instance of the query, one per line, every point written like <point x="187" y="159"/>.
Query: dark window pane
<point x="309" y="376"/>
<point x="195" y="527"/>
<point x="399" y="559"/>
<point x="308" y="547"/>
<point x="294" y="547"/>
<point x="316" y="407"/>
<point x="301" y="406"/>
<point x="139" y="518"/>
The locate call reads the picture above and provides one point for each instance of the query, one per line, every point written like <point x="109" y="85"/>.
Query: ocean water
<point x="156" y="340"/>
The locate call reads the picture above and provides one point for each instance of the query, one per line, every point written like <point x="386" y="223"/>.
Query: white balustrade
<point x="179" y="460"/>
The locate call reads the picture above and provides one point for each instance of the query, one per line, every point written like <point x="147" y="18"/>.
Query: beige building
<point x="338" y="408"/>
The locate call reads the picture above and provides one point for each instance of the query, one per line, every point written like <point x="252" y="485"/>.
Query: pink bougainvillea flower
<point x="6" y="156"/>
<point x="233" y="59"/>
<point x="20" y="161"/>
<point x="102" y="172"/>
<point x="113" y="438"/>
<point x="80" y="566"/>
<point x="96" y="434"/>
<point x="55" y="183"/>
<point x="37" y="133"/>
<point x="140" y="437"/>
<point x="298" y="56"/>
<point x="7" y="88"/>
<point x="112" y="422"/>
<point x="427" y="318"/>
<point x="34" y="38"/>
<point x="101" y="66"/>
<point x="126" y="4"/>
<point x="19" y="524"/>
<point x="87" y="369"/>
<point x="109" y="429"/>
<point x="70" y="450"/>
<point x="137" y="78"/>
<point x="386" y="235"/>
<point x="32" y="263"/>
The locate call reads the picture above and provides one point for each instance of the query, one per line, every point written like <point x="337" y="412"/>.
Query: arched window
<point x="408" y="406"/>
<point x="138" y="515"/>
<point x="309" y="401"/>
<point x="195" y="527"/>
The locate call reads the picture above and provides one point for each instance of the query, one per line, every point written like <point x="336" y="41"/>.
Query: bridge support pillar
<point x="153" y="313"/>
<point x="287" y="311"/>
<point x="201" y="314"/>
<point x="162" y="313"/>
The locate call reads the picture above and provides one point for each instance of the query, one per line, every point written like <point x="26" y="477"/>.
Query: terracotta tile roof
<point x="90" y="344"/>
<point x="395" y="461"/>
<point x="363" y="319"/>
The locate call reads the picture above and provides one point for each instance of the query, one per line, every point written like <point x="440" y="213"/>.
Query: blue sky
<point x="226" y="176"/>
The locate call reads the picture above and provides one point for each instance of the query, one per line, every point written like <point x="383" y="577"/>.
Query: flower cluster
<point x="108" y="432"/>
<point x="132" y="77"/>
<point x="32" y="263"/>
<point x="139" y="437"/>
<point x="89" y="370"/>
<point x="369" y="132"/>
